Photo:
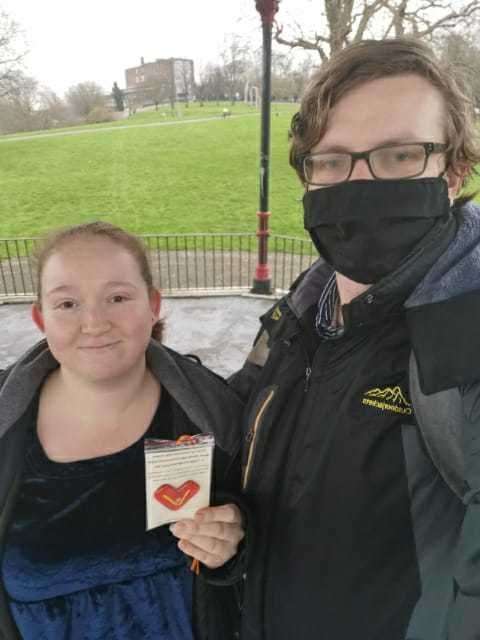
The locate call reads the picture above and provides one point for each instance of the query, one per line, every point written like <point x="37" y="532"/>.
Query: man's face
<point x="404" y="108"/>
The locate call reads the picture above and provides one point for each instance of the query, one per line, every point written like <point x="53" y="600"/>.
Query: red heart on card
<point x="175" y="498"/>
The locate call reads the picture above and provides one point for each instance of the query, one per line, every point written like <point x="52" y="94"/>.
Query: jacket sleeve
<point x="227" y="489"/>
<point x="243" y="380"/>
<point x="464" y="619"/>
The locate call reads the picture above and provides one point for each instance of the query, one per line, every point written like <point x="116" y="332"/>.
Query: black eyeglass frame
<point x="429" y="147"/>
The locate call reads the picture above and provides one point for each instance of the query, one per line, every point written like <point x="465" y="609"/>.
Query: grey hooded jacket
<point x="206" y="400"/>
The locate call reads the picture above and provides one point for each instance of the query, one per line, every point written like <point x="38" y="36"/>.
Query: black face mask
<point x="365" y="228"/>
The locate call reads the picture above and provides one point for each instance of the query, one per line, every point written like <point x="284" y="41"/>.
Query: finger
<point x="183" y="527"/>
<point x="220" y="530"/>
<point x="210" y="560"/>
<point x="225" y="513"/>
<point x="213" y="546"/>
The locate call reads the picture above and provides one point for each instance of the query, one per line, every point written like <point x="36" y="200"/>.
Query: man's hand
<point x="213" y="536"/>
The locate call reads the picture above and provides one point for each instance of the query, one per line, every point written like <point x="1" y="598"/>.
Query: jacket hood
<point x="206" y="399"/>
<point x="443" y="311"/>
<point x="457" y="271"/>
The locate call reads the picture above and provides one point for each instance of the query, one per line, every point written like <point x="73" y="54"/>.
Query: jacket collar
<point x="206" y="399"/>
<point x="387" y="296"/>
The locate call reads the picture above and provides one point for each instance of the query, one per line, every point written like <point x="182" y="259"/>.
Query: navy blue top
<point x="78" y="563"/>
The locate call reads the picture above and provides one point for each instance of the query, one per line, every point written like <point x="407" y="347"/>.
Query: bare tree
<point x="461" y="52"/>
<point x="84" y="98"/>
<point x="184" y="79"/>
<point x="18" y="109"/>
<point x="212" y="85"/>
<point x="12" y="52"/>
<point x="158" y="91"/>
<point x="235" y="57"/>
<point x="289" y="80"/>
<point x="347" y="21"/>
<point x="52" y="110"/>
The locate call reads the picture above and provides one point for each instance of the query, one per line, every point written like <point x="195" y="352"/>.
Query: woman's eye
<point x="66" y="304"/>
<point x="118" y="298"/>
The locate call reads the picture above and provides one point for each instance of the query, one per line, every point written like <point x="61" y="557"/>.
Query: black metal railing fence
<point x="181" y="263"/>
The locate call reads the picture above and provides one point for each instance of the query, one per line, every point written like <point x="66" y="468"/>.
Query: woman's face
<point x="96" y="311"/>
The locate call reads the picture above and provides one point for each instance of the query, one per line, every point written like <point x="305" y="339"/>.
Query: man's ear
<point x="155" y="303"/>
<point x="37" y="317"/>
<point x="454" y="181"/>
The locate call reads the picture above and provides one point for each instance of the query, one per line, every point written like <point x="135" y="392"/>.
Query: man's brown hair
<point x="373" y="59"/>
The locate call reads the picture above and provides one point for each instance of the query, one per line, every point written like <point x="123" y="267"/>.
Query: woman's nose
<point x="95" y="321"/>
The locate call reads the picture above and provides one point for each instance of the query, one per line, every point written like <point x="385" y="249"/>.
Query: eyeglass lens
<point x="399" y="161"/>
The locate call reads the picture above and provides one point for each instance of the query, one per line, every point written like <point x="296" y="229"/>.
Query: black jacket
<point x="359" y="535"/>
<point x="204" y="403"/>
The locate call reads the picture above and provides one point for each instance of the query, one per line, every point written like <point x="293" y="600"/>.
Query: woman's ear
<point x="155" y="303"/>
<point x="37" y="317"/>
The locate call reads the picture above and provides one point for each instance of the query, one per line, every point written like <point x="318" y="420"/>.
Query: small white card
<point x="178" y="476"/>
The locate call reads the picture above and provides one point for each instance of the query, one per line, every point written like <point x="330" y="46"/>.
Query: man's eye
<point x="118" y="298"/>
<point x="408" y="155"/>
<point x="401" y="157"/>
<point x="329" y="163"/>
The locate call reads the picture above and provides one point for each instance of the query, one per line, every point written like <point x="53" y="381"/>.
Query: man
<point x="359" y="535"/>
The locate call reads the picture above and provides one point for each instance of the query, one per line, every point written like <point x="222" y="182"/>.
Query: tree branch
<point x="450" y="20"/>
<point x="369" y="11"/>
<point x="302" y="43"/>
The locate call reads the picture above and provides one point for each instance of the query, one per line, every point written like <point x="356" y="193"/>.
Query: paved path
<point x="219" y="330"/>
<point x="77" y="132"/>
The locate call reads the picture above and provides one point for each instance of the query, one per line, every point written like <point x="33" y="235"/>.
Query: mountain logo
<point x="276" y="314"/>
<point x="391" y="399"/>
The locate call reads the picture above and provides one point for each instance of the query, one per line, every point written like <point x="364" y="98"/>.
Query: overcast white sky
<point x="70" y="42"/>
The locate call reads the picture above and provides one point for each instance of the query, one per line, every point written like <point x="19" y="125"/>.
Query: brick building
<point x="161" y="81"/>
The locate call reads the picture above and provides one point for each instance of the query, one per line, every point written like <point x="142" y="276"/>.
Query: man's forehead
<point x="383" y="111"/>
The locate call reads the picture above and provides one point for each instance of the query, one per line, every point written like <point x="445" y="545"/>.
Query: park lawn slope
<point x="187" y="177"/>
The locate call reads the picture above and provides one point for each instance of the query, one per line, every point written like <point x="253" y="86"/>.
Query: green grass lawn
<point x="193" y="177"/>
<point x="185" y="177"/>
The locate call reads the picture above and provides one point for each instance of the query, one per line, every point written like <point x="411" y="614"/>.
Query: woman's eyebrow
<point x="121" y="283"/>
<point x="65" y="288"/>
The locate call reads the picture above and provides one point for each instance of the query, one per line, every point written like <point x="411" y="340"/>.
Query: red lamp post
<point x="262" y="282"/>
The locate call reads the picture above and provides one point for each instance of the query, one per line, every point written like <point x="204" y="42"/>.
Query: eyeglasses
<point x="390" y="162"/>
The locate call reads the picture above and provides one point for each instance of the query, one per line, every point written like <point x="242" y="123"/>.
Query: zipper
<point x="308" y="373"/>
<point x="308" y="367"/>
<point x="252" y="436"/>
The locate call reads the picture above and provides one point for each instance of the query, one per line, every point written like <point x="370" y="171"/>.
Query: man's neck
<point x="347" y="291"/>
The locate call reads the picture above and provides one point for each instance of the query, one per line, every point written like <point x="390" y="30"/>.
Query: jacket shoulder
<point x="210" y="404"/>
<point x="4" y="375"/>
<point x="441" y="419"/>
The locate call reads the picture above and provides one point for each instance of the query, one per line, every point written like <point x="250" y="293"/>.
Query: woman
<point x="74" y="411"/>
